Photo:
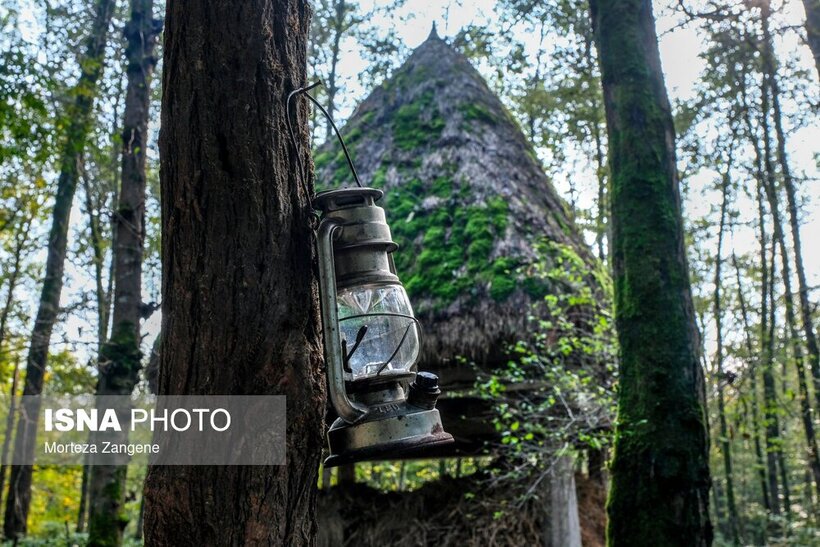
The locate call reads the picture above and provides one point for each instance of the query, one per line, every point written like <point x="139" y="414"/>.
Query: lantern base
<point x="397" y="436"/>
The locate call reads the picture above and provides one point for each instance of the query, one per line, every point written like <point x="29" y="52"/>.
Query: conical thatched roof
<point x="466" y="198"/>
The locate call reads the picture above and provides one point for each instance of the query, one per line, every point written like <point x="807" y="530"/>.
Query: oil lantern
<point x="387" y="410"/>
<point x="372" y="339"/>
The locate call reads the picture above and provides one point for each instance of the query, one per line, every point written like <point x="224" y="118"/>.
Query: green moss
<point x="445" y="252"/>
<point x="477" y="112"/>
<point x="417" y="123"/>
<point x="121" y="360"/>
<point x="379" y="178"/>
<point x="442" y="187"/>
<point x="322" y="159"/>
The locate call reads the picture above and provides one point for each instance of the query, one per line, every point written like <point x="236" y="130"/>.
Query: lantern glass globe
<point x="380" y="337"/>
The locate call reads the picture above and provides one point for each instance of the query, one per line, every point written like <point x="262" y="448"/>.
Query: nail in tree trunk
<point x="79" y="125"/>
<point x="120" y="358"/>
<point x="660" y="469"/>
<point x="240" y="308"/>
<point x="725" y="441"/>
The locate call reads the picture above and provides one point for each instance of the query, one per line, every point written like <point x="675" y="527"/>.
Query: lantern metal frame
<point x="379" y="417"/>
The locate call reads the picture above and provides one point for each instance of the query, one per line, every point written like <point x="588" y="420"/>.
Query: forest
<point x="486" y="273"/>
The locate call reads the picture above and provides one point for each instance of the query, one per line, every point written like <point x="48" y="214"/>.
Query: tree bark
<point x="660" y="472"/>
<point x="725" y="441"/>
<point x="79" y="116"/>
<point x="120" y="358"/>
<point x="240" y="308"/>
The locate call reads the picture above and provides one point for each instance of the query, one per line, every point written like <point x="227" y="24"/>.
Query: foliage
<point x="566" y="366"/>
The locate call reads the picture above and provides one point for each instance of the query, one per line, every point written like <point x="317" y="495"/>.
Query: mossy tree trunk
<point x="660" y="472"/>
<point x="78" y="117"/>
<point x="120" y="357"/>
<point x="239" y="298"/>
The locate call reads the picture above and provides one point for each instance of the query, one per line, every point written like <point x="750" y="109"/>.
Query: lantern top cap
<point x="343" y="198"/>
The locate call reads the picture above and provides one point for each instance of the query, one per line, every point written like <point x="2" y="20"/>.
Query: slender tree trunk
<point x="812" y="8"/>
<point x="20" y="243"/>
<point x="327" y="477"/>
<point x="779" y="242"/>
<point x="238" y="270"/>
<point x="19" y="499"/>
<point x="82" y="510"/>
<point x="770" y="78"/>
<point x="332" y="84"/>
<point x="120" y="358"/>
<point x="9" y="425"/>
<point x="98" y="259"/>
<point x="601" y="235"/>
<point x="725" y="442"/>
<point x="660" y="471"/>
<point x="753" y="356"/>
<point x="403" y="474"/>
<point x="140" y="520"/>
<point x="770" y="419"/>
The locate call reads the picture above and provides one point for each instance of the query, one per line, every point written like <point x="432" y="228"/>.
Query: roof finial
<point x="433" y="33"/>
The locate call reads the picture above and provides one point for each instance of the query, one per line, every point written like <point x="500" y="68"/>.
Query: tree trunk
<point x="82" y="510"/>
<point x="120" y="358"/>
<point x="660" y="472"/>
<point x="602" y="228"/>
<point x="779" y="241"/>
<point x="770" y="78"/>
<point x="563" y="526"/>
<point x="19" y="499"/>
<point x="812" y="8"/>
<point x="20" y="243"/>
<point x="770" y="418"/>
<point x="753" y="356"/>
<point x="332" y="84"/>
<point x="240" y="308"/>
<point x="102" y="294"/>
<point x="9" y="425"/>
<point x="725" y="442"/>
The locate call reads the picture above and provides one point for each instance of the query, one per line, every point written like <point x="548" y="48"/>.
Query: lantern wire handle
<point x="304" y="90"/>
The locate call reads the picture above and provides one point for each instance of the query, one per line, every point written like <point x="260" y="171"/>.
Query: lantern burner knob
<point x="424" y="391"/>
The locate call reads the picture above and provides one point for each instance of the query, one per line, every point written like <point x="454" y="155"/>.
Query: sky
<point x="679" y="48"/>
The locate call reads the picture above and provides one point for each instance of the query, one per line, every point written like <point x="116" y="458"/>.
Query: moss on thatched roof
<point x="467" y="200"/>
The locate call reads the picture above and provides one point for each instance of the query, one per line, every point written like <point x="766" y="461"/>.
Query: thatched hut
<point x="474" y="216"/>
